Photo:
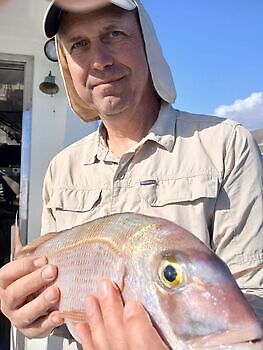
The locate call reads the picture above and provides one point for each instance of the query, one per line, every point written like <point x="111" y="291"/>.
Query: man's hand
<point x="18" y="281"/>
<point x="112" y="326"/>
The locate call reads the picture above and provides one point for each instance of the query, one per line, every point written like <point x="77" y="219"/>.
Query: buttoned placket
<point x="120" y="177"/>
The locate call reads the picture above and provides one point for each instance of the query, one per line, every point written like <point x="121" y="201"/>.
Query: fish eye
<point x="170" y="272"/>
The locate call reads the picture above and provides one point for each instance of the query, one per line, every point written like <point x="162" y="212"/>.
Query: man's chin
<point x="112" y="108"/>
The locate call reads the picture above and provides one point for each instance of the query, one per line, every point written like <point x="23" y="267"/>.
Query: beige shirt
<point x="203" y="173"/>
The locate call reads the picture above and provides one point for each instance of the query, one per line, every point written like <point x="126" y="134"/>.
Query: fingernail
<point x="57" y="320"/>
<point x="39" y="262"/>
<point x="48" y="273"/>
<point x="51" y="295"/>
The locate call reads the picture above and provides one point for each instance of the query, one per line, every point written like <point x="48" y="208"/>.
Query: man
<point x="203" y="173"/>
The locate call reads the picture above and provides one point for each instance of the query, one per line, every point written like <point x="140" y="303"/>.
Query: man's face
<point x="106" y="59"/>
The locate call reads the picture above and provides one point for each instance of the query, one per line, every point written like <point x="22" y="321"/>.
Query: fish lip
<point x="248" y="345"/>
<point x="253" y="345"/>
<point x="250" y="335"/>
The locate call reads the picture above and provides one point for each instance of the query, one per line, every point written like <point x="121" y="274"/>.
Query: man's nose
<point x="100" y="56"/>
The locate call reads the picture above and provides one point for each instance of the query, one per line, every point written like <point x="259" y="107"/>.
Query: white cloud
<point x="249" y="111"/>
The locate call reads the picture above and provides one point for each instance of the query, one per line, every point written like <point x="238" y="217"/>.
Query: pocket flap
<point x="75" y="200"/>
<point x="185" y="190"/>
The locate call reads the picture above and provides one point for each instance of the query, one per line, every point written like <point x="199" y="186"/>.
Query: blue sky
<point x="215" y="51"/>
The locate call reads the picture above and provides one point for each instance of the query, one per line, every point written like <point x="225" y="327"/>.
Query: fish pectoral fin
<point x="74" y="316"/>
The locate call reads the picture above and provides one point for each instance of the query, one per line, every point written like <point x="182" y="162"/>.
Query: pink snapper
<point x="188" y="291"/>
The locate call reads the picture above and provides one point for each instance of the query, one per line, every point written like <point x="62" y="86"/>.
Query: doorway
<point x="15" y="137"/>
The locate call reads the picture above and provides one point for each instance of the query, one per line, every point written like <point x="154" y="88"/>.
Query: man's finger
<point x="43" y="326"/>
<point x="40" y="306"/>
<point x="84" y="333"/>
<point x="96" y="324"/>
<point x="139" y="329"/>
<point x="19" y="268"/>
<point x="111" y="305"/>
<point x="17" y="293"/>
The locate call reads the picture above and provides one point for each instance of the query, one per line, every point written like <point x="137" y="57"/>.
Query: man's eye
<point x="115" y="33"/>
<point x="79" y="44"/>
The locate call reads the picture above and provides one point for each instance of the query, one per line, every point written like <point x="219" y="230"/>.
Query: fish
<point x="188" y="291"/>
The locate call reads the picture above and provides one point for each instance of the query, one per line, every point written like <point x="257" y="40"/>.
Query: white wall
<point x="76" y="128"/>
<point x="21" y="33"/>
<point x="54" y="126"/>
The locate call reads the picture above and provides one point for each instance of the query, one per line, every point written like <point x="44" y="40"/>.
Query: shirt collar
<point x="98" y="149"/>
<point x="162" y="132"/>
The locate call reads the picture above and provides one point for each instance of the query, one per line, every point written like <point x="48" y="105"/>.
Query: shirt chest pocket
<point x="74" y="207"/>
<point x="182" y="191"/>
<point x="189" y="202"/>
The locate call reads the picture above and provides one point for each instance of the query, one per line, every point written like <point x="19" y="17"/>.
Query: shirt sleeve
<point x="238" y="222"/>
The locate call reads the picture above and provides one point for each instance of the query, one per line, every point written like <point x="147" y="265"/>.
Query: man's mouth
<point x="106" y="82"/>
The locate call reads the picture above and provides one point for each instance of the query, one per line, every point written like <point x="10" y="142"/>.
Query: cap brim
<point x="51" y="18"/>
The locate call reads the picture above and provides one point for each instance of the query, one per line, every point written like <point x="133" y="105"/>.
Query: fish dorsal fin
<point x="18" y="246"/>
<point x="31" y="247"/>
<point x="245" y="272"/>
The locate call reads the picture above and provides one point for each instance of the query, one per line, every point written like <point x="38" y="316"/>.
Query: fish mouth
<point x="249" y="338"/>
<point x="248" y="345"/>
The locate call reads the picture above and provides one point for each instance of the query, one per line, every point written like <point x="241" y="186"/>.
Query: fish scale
<point x="199" y="310"/>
